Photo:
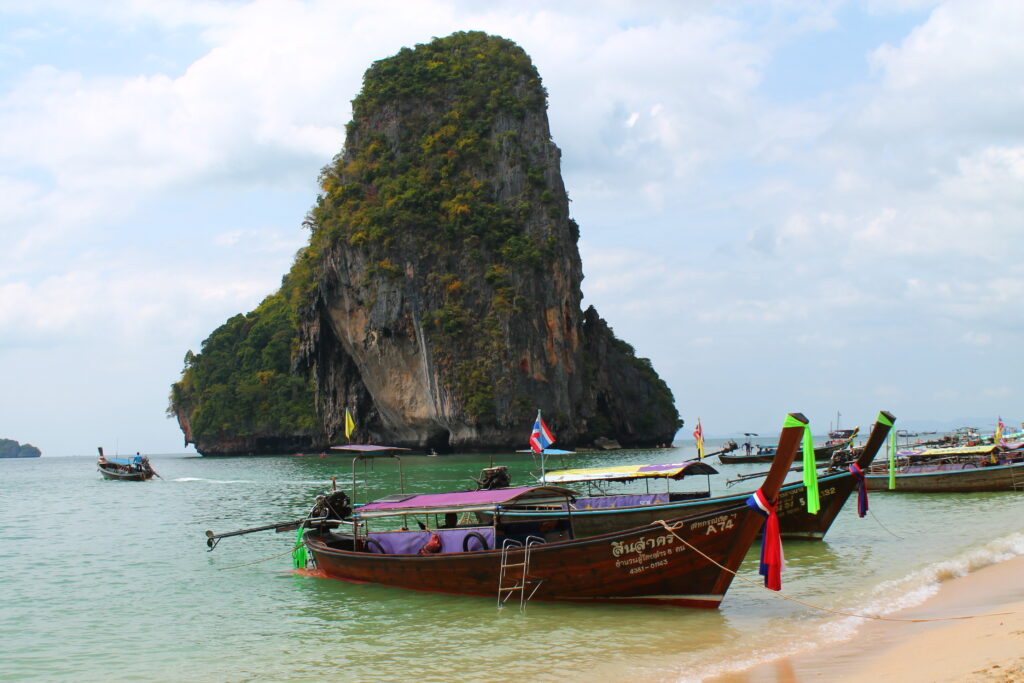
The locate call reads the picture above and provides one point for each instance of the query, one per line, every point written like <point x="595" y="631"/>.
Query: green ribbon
<point x="810" y="466"/>
<point x="299" y="553"/>
<point x="892" y="450"/>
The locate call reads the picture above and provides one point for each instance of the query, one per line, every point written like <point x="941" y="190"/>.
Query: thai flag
<point x="541" y="437"/>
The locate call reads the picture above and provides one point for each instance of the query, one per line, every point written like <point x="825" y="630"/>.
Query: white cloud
<point x="100" y="305"/>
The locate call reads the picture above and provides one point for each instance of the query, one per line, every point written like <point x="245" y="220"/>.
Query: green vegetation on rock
<point x="442" y="260"/>
<point x="429" y="182"/>
<point x="241" y="385"/>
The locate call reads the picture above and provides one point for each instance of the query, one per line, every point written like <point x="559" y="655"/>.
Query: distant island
<point x="12" y="449"/>
<point x="438" y="300"/>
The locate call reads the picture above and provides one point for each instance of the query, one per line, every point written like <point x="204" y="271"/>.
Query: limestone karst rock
<point x="439" y="296"/>
<point x="444" y="304"/>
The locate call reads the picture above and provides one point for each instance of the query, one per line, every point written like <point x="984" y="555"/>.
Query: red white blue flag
<point x="541" y="437"/>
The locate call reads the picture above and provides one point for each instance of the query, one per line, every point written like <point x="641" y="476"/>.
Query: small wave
<point x="915" y="587"/>
<point x="887" y="598"/>
<point x="317" y="482"/>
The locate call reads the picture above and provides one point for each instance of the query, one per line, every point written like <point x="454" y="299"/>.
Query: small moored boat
<point x="952" y="470"/>
<point x="765" y="454"/>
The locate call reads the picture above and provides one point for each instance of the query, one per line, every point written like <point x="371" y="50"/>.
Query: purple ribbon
<point x="862" y="490"/>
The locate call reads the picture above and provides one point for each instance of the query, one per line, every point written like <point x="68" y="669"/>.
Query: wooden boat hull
<point x="738" y="459"/>
<point x="647" y="564"/>
<point x="821" y="454"/>
<point x="794" y="520"/>
<point x="1008" y="477"/>
<point x="120" y="475"/>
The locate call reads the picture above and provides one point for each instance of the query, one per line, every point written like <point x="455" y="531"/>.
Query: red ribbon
<point x="771" y="541"/>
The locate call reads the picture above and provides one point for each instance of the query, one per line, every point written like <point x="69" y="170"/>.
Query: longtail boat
<point x="593" y="515"/>
<point x="686" y="561"/>
<point x="952" y="470"/>
<point x="123" y="469"/>
<point x="765" y="454"/>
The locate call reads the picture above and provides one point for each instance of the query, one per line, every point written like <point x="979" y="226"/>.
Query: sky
<point x="786" y="206"/>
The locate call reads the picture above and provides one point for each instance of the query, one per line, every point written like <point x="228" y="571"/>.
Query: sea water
<point x="108" y="580"/>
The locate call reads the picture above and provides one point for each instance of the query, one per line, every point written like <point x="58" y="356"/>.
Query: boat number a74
<point x="719" y="524"/>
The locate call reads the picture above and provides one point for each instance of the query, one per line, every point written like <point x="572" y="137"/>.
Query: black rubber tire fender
<point x="370" y="542"/>
<point x="471" y="535"/>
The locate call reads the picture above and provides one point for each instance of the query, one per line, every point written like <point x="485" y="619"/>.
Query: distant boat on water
<point x="124" y="469"/>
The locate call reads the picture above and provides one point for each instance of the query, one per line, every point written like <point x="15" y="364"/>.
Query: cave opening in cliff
<point x="440" y="442"/>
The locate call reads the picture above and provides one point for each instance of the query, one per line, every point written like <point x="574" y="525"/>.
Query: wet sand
<point x="989" y="648"/>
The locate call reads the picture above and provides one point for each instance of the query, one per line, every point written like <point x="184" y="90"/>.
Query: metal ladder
<point x="507" y="572"/>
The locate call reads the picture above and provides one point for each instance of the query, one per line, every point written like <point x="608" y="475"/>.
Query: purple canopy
<point x="366" y="448"/>
<point x="465" y="499"/>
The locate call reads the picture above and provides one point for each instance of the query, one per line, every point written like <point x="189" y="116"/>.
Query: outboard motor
<point x="493" y="478"/>
<point x="334" y="505"/>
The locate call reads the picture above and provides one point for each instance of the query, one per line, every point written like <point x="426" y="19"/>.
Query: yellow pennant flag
<point x="350" y="424"/>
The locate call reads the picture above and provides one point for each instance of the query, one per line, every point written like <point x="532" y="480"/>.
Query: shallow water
<point x="106" y="580"/>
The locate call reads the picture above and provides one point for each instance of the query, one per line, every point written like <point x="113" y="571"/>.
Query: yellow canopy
<point x="676" y="470"/>
<point x="960" y="450"/>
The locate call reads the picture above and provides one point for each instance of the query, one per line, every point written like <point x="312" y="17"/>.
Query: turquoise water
<point x="106" y="580"/>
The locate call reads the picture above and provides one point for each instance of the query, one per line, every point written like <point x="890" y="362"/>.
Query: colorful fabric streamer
<point x="810" y="466"/>
<point x="862" y="490"/>
<point x="772" y="561"/>
<point x="299" y="553"/>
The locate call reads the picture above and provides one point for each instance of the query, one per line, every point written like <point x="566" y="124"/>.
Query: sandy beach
<point x="989" y="648"/>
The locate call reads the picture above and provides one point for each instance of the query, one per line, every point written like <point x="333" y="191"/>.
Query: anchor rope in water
<point x="874" y="517"/>
<point x="246" y="564"/>
<point x="671" y="529"/>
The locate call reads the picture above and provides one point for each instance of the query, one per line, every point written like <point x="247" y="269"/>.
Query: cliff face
<point x="440" y="292"/>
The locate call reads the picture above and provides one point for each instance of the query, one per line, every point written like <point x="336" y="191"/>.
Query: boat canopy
<point x="961" y="451"/>
<point x="120" y="461"/>
<point x="464" y="501"/>
<point x="549" y="451"/>
<point x="676" y="470"/>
